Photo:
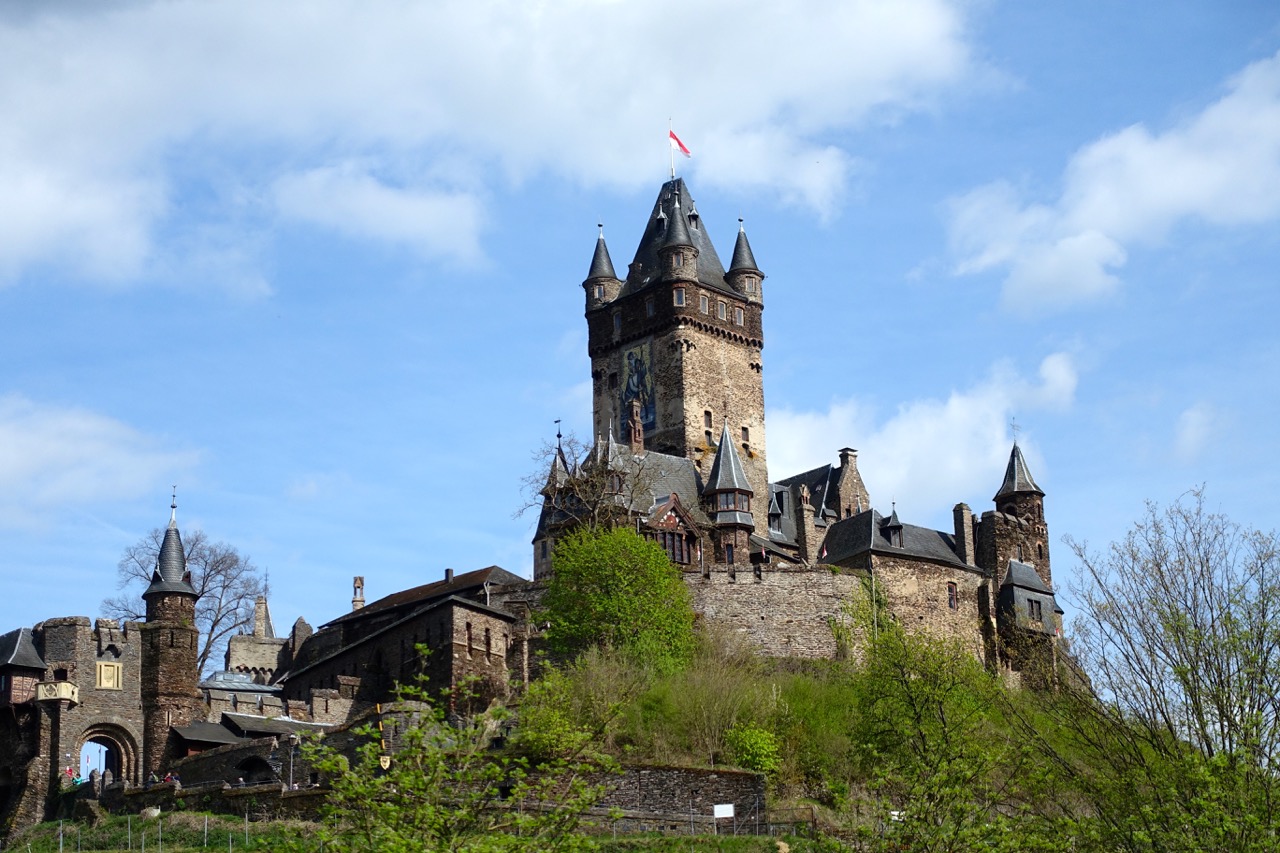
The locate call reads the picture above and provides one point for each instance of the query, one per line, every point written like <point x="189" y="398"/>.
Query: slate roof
<point x="1017" y="477"/>
<point x="601" y="263"/>
<point x="727" y="474"/>
<point x="674" y="199"/>
<point x="822" y="488"/>
<point x="429" y="591"/>
<point x="743" y="259"/>
<point x="864" y="532"/>
<point x="18" y="649"/>
<point x="236" y="682"/>
<point x="205" y="732"/>
<point x="412" y="613"/>
<point x="250" y="725"/>
<point x="171" y="567"/>
<point x="1020" y="574"/>
<point x="660" y="474"/>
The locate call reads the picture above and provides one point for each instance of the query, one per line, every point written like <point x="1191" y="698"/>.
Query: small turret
<point x="602" y="284"/>
<point x="743" y="275"/>
<point x="1019" y="495"/>
<point x="677" y="253"/>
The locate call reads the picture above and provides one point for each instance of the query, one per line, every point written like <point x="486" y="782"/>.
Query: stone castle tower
<point x="682" y="338"/>
<point x="170" y="652"/>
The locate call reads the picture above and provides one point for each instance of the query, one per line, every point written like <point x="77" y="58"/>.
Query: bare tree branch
<point x="228" y="583"/>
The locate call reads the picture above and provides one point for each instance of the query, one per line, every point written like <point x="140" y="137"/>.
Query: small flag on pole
<point x="677" y="145"/>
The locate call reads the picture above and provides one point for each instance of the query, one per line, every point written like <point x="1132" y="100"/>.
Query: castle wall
<point x="784" y="612"/>
<point x="105" y="664"/>
<point x="259" y="657"/>
<point x="915" y="593"/>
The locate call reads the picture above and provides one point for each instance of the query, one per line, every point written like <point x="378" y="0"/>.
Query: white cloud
<point x="1221" y="167"/>
<point x="113" y="112"/>
<point x="1194" y="428"/>
<point x="931" y="454"/>
<point x="352" y="202"/>
<point x="54" y="458"/>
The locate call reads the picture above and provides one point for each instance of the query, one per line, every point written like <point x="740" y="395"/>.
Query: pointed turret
<point x="601" y="284"/>
<point x="728" y="491"/>
<point x="674" y="222"/>
<point x="1017" y="477"/>
<point x="743" y="275"/>
<point x="601" y="263"/>
<point x="171" y="575"/>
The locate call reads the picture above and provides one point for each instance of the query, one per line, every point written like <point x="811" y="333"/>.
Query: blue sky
<point x="319" y="263"/>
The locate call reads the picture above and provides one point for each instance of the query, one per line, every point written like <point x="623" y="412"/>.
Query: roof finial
<point x="173" y="508"/>
<point x="741" y="227"/>
<point x="600" y="225"/>
<point x="1013" y="426"/>
<point x="557" y="432"/>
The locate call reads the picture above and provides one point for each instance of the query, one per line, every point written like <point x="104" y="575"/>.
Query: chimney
<point x="448" y="575"/>
<point x="964" y="533"/>
<point x="637" y="429"/>
<point x="357" y="594"/>
<point x="850" y="490"/>
<point x="806" y="530"/>
<point x="260" y="617"/>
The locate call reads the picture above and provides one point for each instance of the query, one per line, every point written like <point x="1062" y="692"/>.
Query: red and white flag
<point x="677" y="145"/>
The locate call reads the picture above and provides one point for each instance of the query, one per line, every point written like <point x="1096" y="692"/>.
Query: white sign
<point x="725" y="810"/>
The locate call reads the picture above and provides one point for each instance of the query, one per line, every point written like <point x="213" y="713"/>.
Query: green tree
<point x="614" y="589"/>
<point x="1171" y="738"/>
<point x="446" y="789"/>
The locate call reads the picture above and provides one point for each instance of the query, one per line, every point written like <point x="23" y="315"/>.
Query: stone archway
<point x="118" y="751"/>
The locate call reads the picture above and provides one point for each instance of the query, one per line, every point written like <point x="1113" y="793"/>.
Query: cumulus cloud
<point x="930" y="454"/>
<point x="352" y="202"/>
<point x="53" y="458"/>
<point x="1220" y="167"/>
<point x="114" y="113"/>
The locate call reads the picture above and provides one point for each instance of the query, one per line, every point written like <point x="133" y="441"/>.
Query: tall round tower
<point x="170" y="651"/>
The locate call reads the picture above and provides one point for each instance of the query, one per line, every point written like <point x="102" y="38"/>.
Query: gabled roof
<point x="1021" y="574"/>
<point x="205" y="732"/>
<point x="601" y="263"/>
<point x="426" y="592"/>
<point x="405" y="615"/>
<point x="18" y="649"/>
<point x="645" y="268"/>
<point x="866" y="532"/>
<point x="1017" y="477"/>
<point x="250" y="725"/>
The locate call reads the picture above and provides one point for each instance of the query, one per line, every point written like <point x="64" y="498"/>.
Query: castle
<point x="679" y="452"/>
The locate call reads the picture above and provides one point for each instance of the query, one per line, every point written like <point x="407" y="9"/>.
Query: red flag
<point x="677" y="145"/>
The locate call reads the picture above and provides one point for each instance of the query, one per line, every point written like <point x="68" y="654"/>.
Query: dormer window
<point x="1034" y="611"/>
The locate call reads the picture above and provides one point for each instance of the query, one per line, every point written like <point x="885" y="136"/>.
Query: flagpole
<point x="670" y="130"/>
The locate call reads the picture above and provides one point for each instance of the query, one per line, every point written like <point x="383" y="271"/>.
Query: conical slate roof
<point x="171" y="567"/>
<point x="726" y="471"/>
<point x="678" y="231"/>
<point x="601" y="263"/>
<point x="1017" y="477"/>
<point x="743" y="260"/>
<point x="674" y="201"/>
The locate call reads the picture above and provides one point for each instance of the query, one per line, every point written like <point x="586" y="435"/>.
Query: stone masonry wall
<point x="108" y="711"/>
<point x="783" y="612"/>
<point x="915" y="594"/>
